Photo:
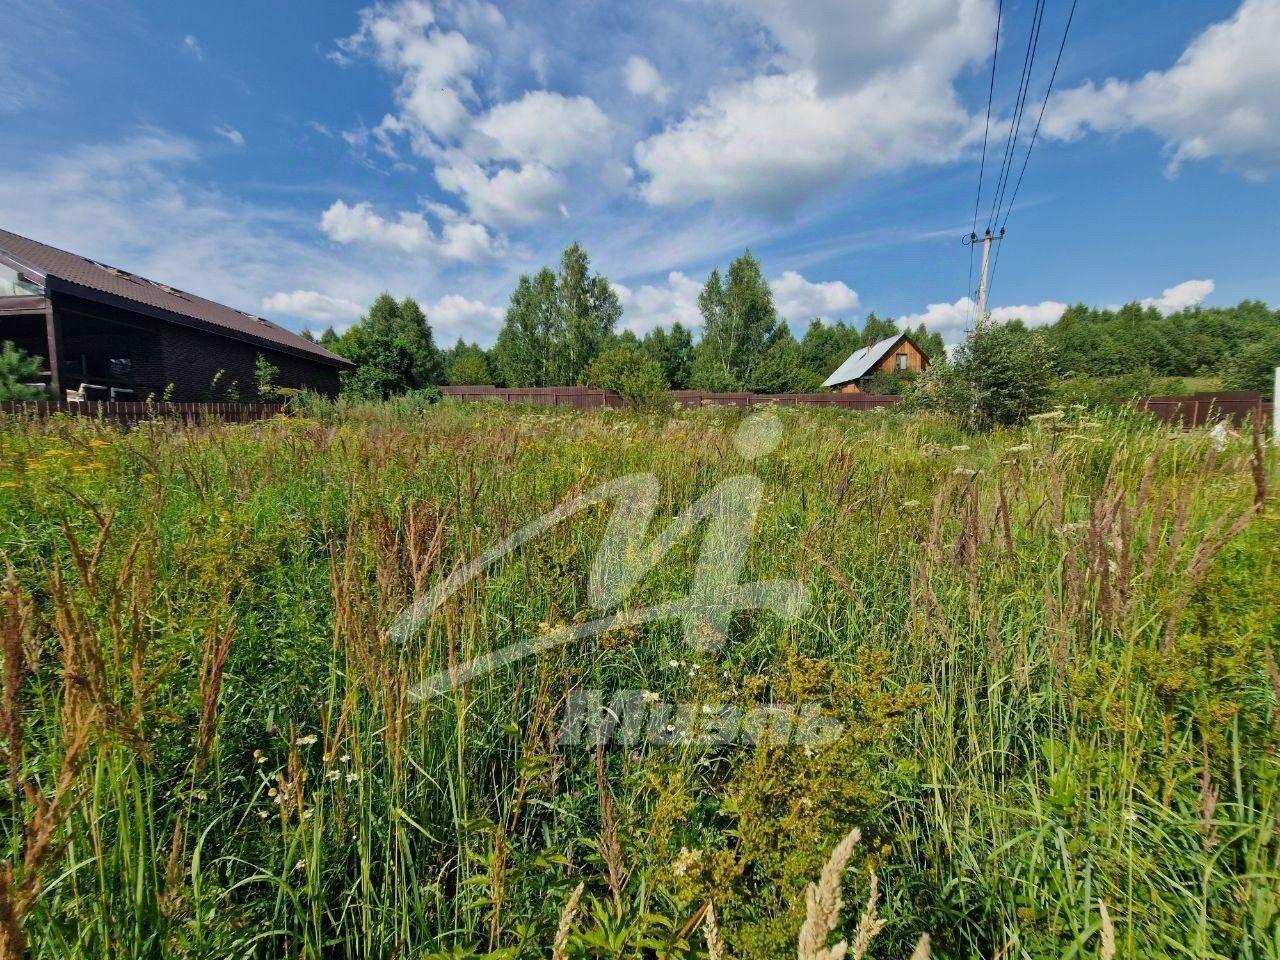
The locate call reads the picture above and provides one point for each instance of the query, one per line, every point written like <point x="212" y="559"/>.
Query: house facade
<point x="896" y="354"/>
<point x="105" y="333"/>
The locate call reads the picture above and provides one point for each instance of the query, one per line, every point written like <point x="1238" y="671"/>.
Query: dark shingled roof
<point x="75" y="271"/>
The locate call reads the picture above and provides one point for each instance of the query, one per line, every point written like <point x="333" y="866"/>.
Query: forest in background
<point x="563" y="327"/>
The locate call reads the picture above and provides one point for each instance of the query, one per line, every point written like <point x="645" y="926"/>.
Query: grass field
<point x="1050" y="653"/>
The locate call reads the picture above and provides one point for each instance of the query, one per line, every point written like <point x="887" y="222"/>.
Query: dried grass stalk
<point x="560" y="947"/>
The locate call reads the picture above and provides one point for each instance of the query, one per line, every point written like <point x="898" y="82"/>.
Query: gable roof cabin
<point x="111" y="334"/>
<point x="896" y="353"/>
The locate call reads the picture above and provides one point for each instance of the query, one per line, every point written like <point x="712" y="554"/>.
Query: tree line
<point x="562" y="328"/>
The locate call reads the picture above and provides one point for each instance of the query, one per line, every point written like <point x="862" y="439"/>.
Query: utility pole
<point x="984" y="283"/>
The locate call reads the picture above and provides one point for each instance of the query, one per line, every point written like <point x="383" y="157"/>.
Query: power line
<point x="1053" y="75"/>
<point x="986" y="129"/>
<point x="1020" y="106"/>
<point x="1048" y="90"/>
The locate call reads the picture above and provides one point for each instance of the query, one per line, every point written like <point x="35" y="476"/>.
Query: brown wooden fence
<point x="1200" y="409"/>
<point x="582" y="398"/>
<point x="128" y="413"/>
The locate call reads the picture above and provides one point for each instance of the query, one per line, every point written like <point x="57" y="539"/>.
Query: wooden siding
<point x="916" y="361"/>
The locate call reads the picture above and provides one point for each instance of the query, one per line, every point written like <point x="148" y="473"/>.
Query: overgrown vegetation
<point x="1051" y="650"/>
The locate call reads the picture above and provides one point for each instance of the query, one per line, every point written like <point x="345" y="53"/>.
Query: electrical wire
<point x="1045" y="103"/>
<point x="1053" y="76"/>
<point x="1020" y="106"/>
<point x="986" y="130"/>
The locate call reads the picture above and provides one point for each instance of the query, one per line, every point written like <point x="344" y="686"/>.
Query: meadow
<point x="1049" y="653"/>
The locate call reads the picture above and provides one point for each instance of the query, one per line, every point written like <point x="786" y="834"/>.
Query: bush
<point x="17" y="369"/>
<point x="1001" y="375"/>
<point x="894" y="383"/>
<point x="632" y="373"/>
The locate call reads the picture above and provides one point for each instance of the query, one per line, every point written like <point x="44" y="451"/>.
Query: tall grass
<point x="1052" y="651"/>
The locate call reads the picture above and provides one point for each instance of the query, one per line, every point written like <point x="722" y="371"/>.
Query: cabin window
<point x="900" y="361"/>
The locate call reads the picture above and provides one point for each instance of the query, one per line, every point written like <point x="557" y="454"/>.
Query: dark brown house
<point x="898" y="353"/>
<point x="105" y="333"/>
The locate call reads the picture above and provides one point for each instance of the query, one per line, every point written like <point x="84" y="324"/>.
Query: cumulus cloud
<point x="508" y="197"/>
<point x="799" y="300"/>
<point x="1221" y="99"/>
<point x="313" y="305"/>
<point x="409" y="232"/>
<point x="545" y="128"/>
<point x="644" y="80"/>
<point x="655" y="305"/>
<point x="506" y="162"/>
<point x="796" y="298"/>
<point x="952" y="319"/>
<point x="1189" y="293"/>
<point x="230" y="134"/>
<point x="454" y="316"/>
<point x="875" y="97"/>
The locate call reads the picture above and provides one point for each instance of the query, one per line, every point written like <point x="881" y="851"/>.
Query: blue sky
<point x="299" y="158"/>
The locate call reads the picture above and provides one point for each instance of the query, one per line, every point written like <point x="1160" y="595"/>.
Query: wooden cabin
<point x="895" y="354"/>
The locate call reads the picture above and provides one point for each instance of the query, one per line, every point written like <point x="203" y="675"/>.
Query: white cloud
<point x="454" y="316"/>
<point x="1189" y="293"/>
<point x="313" y="305"/>
<point x="1221" y="99"/>
<point x="230" y="134"/>
<point x="127" y="203"/>
<point x="775" y="141"/>
<point x="192" y="46"/>
<point x="545" y="128"/>
<point x="846" y="42"/>
<point x="410" y="232"/>
<point x="432" y="66"/>
<point x="643" y="80"/>
<point x="799" y="300"/>
<point x="509" y="197"/>
<point x="867" y="86"/>
<point x="952" y="319"/>
<point x="652" y="306"/>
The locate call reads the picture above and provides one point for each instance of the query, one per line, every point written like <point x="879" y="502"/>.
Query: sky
<point x="296" y="159"/>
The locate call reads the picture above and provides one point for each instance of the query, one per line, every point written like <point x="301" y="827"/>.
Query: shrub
<point x="17" y="369"/>
<point x="1002" y="374"/>
<point x="632" y="373"/>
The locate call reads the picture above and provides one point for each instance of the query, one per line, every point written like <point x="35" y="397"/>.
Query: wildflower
<point x="307" y="740"/>
<point x="707" y="708"/>
<point x="352" y="778"/>
<point x="333" y="774"/>
<point x="345" y="758"/>
<point x="1048" y="415"/>
<point x="1020" y="448"/>
<point x="960" y="448"/>
<point x="649" y="697"/>
<point x="306" y="814"/>
<point x="964" y="472"/>
<point x="262" y="814"/>
<point x="259" y="757"/>
<point x="673" y="664"/>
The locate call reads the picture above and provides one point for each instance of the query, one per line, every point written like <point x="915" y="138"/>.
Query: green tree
<point x="17" y="369"/>
<point x="739" y="324"/>
<point x="393" y="349"/>
<point x="1255" y="367"/>
<point x="674" y="352"/>
<point x="630" y="371"/>
<point x="930" y="343"/>
<point x="589" y="310"/>
<point x="469" y="366"/>
<point x="1002" y="374"/>
<point x="265" y="375"/>
<point x="556" y="324"/>
<point x="876" y="329"/>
